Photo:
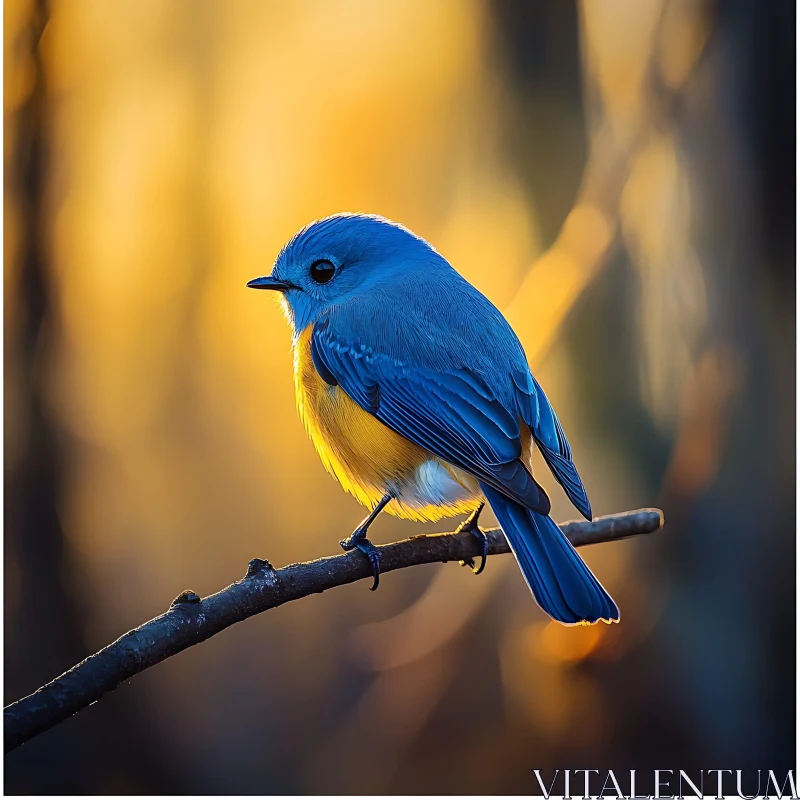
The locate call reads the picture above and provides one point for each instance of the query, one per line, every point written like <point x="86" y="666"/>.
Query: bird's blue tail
<point x="561" y="583"/>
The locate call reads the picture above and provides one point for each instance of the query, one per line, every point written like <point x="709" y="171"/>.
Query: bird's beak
<point x="268" y="282"/>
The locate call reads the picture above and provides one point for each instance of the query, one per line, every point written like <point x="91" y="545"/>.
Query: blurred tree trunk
<point x="41" y="623"/>
<point x="43" y="633"/>
<point x="42" y="630"/>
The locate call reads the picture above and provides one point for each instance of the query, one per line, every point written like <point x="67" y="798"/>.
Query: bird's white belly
<point x="434" y="492"/>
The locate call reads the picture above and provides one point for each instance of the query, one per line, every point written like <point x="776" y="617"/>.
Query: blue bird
<point x="419" y="400"/>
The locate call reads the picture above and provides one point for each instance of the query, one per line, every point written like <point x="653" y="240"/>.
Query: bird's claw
<point x="470" y="562"/>
<point x="358" y="540"/>
<point x="471" y="524"/>
<point x="374" y="556"/>
<point x="484" y="550"/>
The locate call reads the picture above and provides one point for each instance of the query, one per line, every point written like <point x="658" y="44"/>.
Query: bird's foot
<point x="358" y="535"/>
<point x="471" y="524"/>
<point x="358" y="541"/>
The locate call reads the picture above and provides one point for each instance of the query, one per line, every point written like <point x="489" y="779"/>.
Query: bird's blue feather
<point x="453" y="415"/>
<point x="546" y="428"/>
<point x="559" y="580"/>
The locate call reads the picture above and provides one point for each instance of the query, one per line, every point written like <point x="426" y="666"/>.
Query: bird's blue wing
<point x="538" y="414"/>
<point x="451" y="413"/>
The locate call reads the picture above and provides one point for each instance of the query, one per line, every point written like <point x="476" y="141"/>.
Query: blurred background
<point x="617" y="175"/>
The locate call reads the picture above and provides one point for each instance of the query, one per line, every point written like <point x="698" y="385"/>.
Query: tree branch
<point x="191" y="620"/>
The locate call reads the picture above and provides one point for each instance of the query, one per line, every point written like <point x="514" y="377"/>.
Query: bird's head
<point x="336" y="258"/>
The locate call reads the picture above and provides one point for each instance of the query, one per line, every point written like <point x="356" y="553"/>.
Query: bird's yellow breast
<point x="362" y="453"/>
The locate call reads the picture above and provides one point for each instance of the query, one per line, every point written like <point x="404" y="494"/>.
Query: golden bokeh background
<point x="614" y="174"/>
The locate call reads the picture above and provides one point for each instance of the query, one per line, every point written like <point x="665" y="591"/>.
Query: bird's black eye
<point x="322" y="271"/>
